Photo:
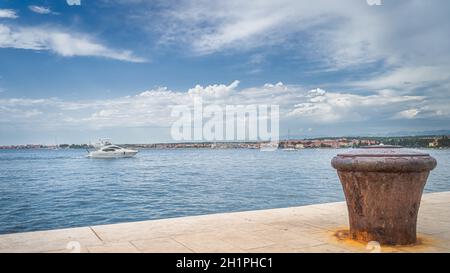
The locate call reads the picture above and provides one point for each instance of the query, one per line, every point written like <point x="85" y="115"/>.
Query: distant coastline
<point x="438" y="141"/>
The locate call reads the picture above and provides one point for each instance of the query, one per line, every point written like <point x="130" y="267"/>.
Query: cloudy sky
<point x="77" y="70"/>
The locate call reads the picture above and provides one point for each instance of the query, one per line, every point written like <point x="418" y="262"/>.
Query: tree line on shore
<point x="355" y="142"/>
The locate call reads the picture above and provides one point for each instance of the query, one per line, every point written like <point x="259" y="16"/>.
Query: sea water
<point x="48" y="189"/>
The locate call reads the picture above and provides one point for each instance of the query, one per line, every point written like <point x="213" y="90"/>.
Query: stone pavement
<point x="315" y="228"/>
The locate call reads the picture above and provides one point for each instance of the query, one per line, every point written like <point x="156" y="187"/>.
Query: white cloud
<point x="340" y="34"/>
<point x="8" y="13"/>
<point x="212" y="26"/>
<point x="153" y="107"/>
<point x="62" y="43"/>
<point x="325" y="107"/>
<point x="213" y="91"/>
<point x="40" y="9"/>
<point x="407" y="114"/>
<point x="407" y="78"/>
<point x="73" y="2"/>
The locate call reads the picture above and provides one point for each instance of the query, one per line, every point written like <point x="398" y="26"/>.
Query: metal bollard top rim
<point x="383" y="151"/>
<point x="384" y="159"/>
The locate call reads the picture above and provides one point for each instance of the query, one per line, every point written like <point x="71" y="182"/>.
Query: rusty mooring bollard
<point x="383" y="187"/>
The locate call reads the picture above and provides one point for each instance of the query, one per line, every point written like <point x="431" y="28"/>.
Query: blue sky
<point x="113" y="67"/>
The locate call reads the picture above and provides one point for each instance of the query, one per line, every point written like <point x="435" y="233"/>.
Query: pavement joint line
<point x="90" y="227"/>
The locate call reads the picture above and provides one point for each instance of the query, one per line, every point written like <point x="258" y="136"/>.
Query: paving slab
<point x="319" y="228"/>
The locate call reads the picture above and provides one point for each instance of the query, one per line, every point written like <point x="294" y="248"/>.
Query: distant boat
<point x="289" y="149"/>
<point x="107" y="150"/>
<point x="56" y="147"/>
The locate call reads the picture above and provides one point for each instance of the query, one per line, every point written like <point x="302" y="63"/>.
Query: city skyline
<point x="79" y="70"/>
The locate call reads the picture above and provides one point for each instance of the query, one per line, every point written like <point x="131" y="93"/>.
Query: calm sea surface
<point x="45" y="189"/>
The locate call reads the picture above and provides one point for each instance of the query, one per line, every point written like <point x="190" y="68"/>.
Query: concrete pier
<point x="315" y="228"/>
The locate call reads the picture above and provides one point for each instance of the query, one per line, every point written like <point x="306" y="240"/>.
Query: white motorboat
<point x="108" y="150"/>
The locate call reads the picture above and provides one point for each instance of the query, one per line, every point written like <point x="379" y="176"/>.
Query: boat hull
<point x="119" y="154"/>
